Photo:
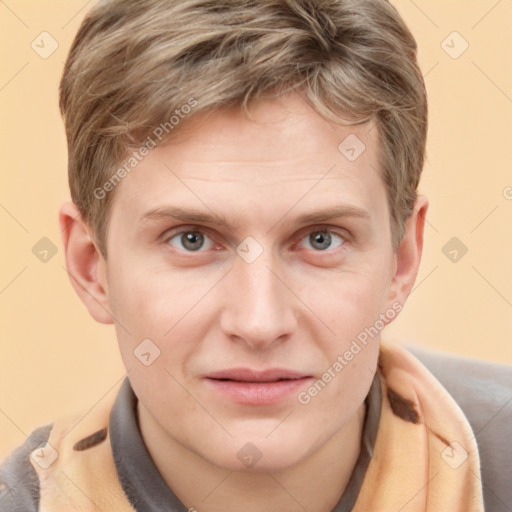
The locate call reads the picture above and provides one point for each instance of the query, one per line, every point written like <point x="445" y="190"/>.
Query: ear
<point x="84" y="263"/>
<point x="408" y="256"/>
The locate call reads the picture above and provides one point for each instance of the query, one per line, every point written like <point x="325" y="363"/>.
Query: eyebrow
<point x="333" y="213"/>
<point x="186" y="215"/>
<point x="192" y="215"/>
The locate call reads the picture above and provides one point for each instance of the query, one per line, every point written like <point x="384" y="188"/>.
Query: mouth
<point x="249" y="387"/>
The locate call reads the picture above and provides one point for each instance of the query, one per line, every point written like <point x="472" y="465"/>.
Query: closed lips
<point x="247" y="375"/>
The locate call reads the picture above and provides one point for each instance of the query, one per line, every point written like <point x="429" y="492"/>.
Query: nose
<point x="259" y="307"/>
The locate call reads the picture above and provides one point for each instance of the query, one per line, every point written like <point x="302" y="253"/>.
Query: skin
<point x="296" y="306"/>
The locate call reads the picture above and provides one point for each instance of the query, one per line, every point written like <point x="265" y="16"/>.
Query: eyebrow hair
<point x="192" y="215"/>
<point x="332" y="213"/>
<point x="187" y="215"/>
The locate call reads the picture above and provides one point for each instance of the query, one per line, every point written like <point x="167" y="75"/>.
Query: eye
<point x="322" y="240"/>
<point x="190" y="241"/>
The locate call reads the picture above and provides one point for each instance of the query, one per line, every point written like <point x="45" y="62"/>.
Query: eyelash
<point x="320" y="229"/>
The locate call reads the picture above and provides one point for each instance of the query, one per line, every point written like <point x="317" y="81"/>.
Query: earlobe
<point x="408" y="256"/>
<point x="83" y="260"/>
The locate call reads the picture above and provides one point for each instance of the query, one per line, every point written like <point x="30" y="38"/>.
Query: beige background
<point x="55" y="359"/>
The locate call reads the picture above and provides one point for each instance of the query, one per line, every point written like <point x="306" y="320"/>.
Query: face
<point x="252" y="254"/>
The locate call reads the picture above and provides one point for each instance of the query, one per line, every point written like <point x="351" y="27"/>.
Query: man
<point x="245" y="212"/>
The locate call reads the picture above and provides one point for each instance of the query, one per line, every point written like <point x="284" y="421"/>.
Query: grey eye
<point x="322" y="240"/>
<point x="190" y="241"/>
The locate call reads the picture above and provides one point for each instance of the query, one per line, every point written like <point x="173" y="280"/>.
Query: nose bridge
<point x="259" y="309"/>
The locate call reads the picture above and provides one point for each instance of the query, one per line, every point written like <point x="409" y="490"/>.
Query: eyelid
<point x="172" y="232"/>
<point x="337" y="230"/>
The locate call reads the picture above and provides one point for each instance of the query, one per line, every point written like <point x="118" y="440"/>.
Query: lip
<point x="251" y="387"/>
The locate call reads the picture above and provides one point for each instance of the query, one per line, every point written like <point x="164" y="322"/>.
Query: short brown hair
<point x="135" y="62"/>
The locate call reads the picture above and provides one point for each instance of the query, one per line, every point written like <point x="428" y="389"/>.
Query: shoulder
<point x="19" y="484"/>
<point x="483" y="390"/>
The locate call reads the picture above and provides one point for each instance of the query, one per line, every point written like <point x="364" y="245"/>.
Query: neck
<point x="315" y="484"/>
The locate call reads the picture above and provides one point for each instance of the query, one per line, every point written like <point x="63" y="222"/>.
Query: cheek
<point x="350" y="307"/>
<point x="349" y="303"/>
<point x="168" y="308"/>
<point x="155" y="299"/>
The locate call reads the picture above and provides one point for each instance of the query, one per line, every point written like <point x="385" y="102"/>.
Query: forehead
<point x="279" y="131"/>
<point x="285" y="154"/>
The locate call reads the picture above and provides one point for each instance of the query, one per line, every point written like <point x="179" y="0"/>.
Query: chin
<point x="260" y="454"/>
